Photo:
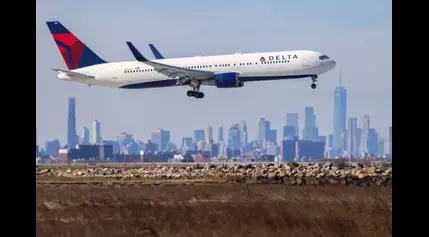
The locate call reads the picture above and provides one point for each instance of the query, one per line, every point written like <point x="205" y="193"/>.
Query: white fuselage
<point x="250" y="66"/>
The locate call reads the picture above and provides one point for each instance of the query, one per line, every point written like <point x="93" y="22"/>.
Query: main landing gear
<point x="314" y="79"/>
<point x="195" y="92"/>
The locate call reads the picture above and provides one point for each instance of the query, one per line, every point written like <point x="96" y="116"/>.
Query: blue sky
<point x="357" y="34"/>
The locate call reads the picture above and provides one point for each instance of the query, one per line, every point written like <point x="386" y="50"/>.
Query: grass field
<point x="213" y="210"/>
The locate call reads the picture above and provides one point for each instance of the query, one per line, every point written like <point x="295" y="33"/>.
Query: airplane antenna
<point x="340" y="78"/>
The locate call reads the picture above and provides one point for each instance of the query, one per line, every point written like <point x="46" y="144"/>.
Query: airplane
<point x="221" y="71"/>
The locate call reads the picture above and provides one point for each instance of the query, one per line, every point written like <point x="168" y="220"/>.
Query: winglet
<point x="156" y="52"/>
<point x="139" y="57"/>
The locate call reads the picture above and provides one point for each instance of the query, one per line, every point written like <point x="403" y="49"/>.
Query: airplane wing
<point x="174" y="72"/>
<point x="155" y="52"/>
<point x="72" y="74"/>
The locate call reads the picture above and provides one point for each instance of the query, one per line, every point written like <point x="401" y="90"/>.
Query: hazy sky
<point x="356" y="34"/>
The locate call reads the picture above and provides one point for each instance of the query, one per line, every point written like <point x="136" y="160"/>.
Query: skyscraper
<point x="85" y="136"/>
<point x="72" y="138"/>
<point x="289" y="132"/>
<point x="372" y="141"/>
<point x="352" y="144"/>
<point x="210" y="135"/>
<point x="243" y="135"/>
<point x="310" y="131"/>
<point x="340" y="106"/>
<point x="187" y="143"/>
<point x="95" y="132"/>
<point x="272" y="136"/>
<point x="310" y="118"/>
<point x="161" y="137"/>
<point x="199" y="135"/>
<point x="210" y="139"/>
<point x="365" y="135"/>
<point x="220" y="134"/>
<point x="380" y="147"/>
<point x="292" y="120"/>
<point x="263" y="132"/>
<point x="234" y="139"/>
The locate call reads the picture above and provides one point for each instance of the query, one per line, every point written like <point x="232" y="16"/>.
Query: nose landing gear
<point x="314" y="79"/>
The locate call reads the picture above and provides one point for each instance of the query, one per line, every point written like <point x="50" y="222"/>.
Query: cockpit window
<point x="323" y="57"/>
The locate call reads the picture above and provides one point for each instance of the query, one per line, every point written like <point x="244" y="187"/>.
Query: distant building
<point x="289" y="132"/>
<point x="87" y="152"/>
<point x="292" y="121"/>
<point x="161" y="137"/>
<point x="288" y="150"/>
<point x="52" y="147"/>
<point x="95" y="132"/>
<point x="199" y="135"/>
<point x="72" y="137"/>
<point x="234" y="139"/>
<point x="352" y="138"/>
<point x="220" y="134"/>
<point x="365" y="135"/>
<point x="85" y="136"/>
<point x="311" y="149"/>
<point x="380" y="147"/>
<point x="390" y="139"/>
<point x="340" y="107"/>
<point x="187" y="144"/>
<point x="264" y="131"/>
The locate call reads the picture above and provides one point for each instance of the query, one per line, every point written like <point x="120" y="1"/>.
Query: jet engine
<point x="228" y="80"/>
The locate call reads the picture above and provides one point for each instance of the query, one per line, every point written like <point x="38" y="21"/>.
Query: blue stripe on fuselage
<point x="168" y="83"/>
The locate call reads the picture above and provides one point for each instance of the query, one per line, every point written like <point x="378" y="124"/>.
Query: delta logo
<point x="279" y="57"/>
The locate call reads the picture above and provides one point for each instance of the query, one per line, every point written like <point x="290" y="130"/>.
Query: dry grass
<point x="213" y="210"/>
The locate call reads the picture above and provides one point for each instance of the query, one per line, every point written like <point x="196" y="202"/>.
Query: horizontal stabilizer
<point x="72" y="74"/>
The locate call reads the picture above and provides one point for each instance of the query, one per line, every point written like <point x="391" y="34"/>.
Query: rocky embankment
<point x="287" y="173"/>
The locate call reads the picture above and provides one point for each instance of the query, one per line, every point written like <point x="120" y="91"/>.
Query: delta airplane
<point x="221" y="71"/>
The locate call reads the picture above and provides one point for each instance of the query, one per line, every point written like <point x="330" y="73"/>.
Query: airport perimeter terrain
<point x="289" y="199"/>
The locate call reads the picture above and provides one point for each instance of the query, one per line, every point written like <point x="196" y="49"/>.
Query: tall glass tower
<point x="340" y="106"/>
<point x="72" y="138"/>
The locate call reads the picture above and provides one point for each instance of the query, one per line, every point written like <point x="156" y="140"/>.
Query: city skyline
<point x="350" y="40"/>
<point x="265" y="133"/>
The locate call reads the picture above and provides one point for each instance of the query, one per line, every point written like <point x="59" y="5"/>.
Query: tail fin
<point x="75" y="53"/>
<point x="155" y="52"/>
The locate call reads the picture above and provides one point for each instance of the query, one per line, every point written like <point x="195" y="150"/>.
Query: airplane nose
<point x="333" y="63"/>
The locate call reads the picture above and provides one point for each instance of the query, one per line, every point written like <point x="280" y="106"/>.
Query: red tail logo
<point x="262" y="59"/>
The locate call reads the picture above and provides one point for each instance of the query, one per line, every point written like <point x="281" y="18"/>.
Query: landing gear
<point x="195" y="94"/>
<point x="314" y="79"/>
<point x="199" y="95"/>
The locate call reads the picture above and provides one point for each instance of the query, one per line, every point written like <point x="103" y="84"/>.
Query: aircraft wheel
<point x="313" y="86"/>
<point x="190" y="93"/>
<point x="199" y="95"/>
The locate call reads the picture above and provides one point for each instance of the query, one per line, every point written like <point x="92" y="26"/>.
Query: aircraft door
<point x="305" y="61"/>
<point x="115" y="74"/>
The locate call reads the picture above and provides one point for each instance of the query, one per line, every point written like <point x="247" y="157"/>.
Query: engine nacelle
<point x="228" y="80"/>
